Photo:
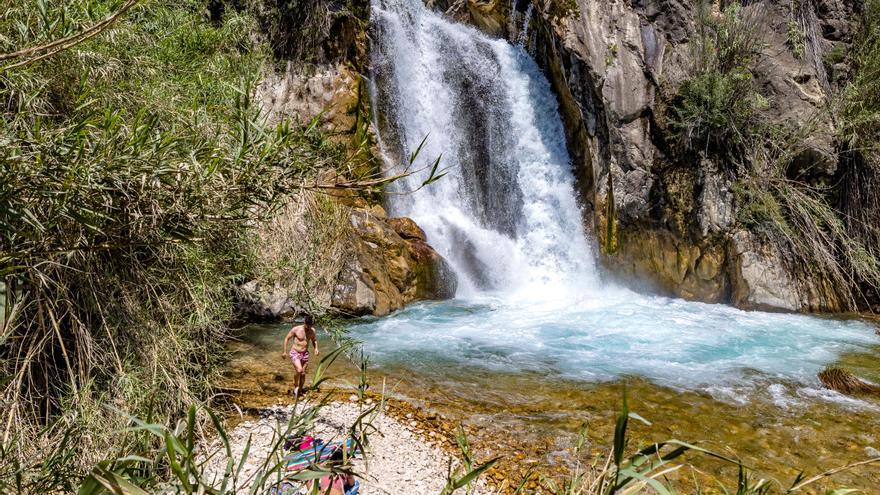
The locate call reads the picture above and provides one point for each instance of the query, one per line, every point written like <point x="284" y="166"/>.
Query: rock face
<point x="341" y="253"/>
<point x="331" y="91"/>
<point x="614" y="65"/>
<point x="392" y="266"/>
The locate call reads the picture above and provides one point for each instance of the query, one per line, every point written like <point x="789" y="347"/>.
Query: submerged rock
<point x="843" y="381"/>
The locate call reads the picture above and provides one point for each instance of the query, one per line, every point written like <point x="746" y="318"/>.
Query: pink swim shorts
<point x="302" y="356"/>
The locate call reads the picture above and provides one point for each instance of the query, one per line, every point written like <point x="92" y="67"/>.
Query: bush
<point x="713" y="110"/>
<point x="859" y="201"/>
<point x="133" y="170"/>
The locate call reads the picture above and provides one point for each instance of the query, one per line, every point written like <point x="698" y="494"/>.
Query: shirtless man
<point x="302" y="335"/>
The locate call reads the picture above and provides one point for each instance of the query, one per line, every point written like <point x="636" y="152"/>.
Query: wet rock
<point x="389" y="270"/>
<point x="760" y="279"/>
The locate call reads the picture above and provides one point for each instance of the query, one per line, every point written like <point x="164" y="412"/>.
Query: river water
<point x="532" y="308"/>
<point x="536" y="341"/>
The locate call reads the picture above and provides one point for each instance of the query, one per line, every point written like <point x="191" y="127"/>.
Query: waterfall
<point x="505" y="216"/>
<point x="523" y="34"/>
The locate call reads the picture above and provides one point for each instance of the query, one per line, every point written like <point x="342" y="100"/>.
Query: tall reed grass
<point x="134" y="169"/>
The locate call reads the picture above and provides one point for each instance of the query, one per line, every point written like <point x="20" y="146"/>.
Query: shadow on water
<point x="777" y="432"/>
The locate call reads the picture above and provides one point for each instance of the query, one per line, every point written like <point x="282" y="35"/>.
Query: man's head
<point x="309" y="321"/>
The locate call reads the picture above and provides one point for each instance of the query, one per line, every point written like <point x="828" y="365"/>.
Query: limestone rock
<point x="372" y="270"/>
<point x="354" y="293"/>
<point x="392" y="265"/>
<point x="716" y="213"/>
<point x="330" y="91"/>
<point x="266" y="301"/>
<point x="761" y="279"/>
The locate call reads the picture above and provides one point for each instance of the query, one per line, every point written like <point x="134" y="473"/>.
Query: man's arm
<point x="286" y="340"/>
<point x="313" y="335"/>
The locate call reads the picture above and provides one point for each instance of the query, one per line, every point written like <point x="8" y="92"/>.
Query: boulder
<point x="364" y="268"/>
<point x="264" y="301"/>
<point x="392" y="265"/>
<point x="760" y="276"/>
<point x="407" y="228"/>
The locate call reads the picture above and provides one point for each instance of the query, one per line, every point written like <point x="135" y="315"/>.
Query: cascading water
<point x="506" y="215"/>
<point x="506" y="218"/>
<point x="523" y="34"/>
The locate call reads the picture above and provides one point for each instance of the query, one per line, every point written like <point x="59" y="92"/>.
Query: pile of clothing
<point x="309" y="453"/>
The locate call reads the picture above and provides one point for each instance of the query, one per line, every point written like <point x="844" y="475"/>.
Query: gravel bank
<point x="402" y="460"/>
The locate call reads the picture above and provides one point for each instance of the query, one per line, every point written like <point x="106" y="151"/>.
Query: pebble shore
<point x="403" y="457"/>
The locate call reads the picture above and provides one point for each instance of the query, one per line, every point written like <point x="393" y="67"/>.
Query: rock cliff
<point x="672" y="215"/>
<point x="339" y="252"/>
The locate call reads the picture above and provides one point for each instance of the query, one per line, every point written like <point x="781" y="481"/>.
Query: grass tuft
<point x="845" y="382"/>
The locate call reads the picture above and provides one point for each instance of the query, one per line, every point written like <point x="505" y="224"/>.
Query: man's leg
<point x="298" y="379"/>
<point x="301" y="381"/>
<point x="305" y="373"/>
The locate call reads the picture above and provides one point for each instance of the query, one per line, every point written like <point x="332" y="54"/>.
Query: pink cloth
<point x="307" y="442"/>
<point x="303" y="357"/>
<point x="337" y="481"/>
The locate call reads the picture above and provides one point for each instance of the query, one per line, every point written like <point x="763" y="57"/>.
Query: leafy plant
<point x="465" y="475"/>
<point x="133" y="170"/>
<point x="796" y="41"/>
<point x="713" y="109"/>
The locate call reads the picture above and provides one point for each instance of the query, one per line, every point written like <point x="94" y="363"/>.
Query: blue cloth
<point x="354" y="488"/>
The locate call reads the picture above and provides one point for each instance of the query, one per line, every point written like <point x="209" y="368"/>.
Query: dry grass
<point x="303" y="247"/>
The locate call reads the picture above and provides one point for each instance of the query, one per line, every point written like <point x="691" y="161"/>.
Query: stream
<point x="536" y="341"/>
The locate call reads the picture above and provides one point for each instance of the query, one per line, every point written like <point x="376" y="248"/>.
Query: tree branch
<point x="40" y="52"/>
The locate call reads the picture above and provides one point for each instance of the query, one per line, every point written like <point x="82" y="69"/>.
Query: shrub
<point x="713" y="109"/>
<point x="133" y="169"/>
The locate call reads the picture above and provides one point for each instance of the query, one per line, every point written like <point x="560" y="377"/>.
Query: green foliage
<point x="713" y="110"/>
<point x="835" y="55"/>
<point x="862" y="97"/>
<point x="133" y="169"/>
<point x="759" y="208"/>
<point x="802" y="218"/>
<point x="860" y="132"/>
<point x="465" y="475"/>
<point x="714" y="113"/>
<point x="796" y="40"/>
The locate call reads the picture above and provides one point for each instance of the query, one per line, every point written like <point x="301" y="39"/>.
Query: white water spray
<point x="523" y="34"/>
